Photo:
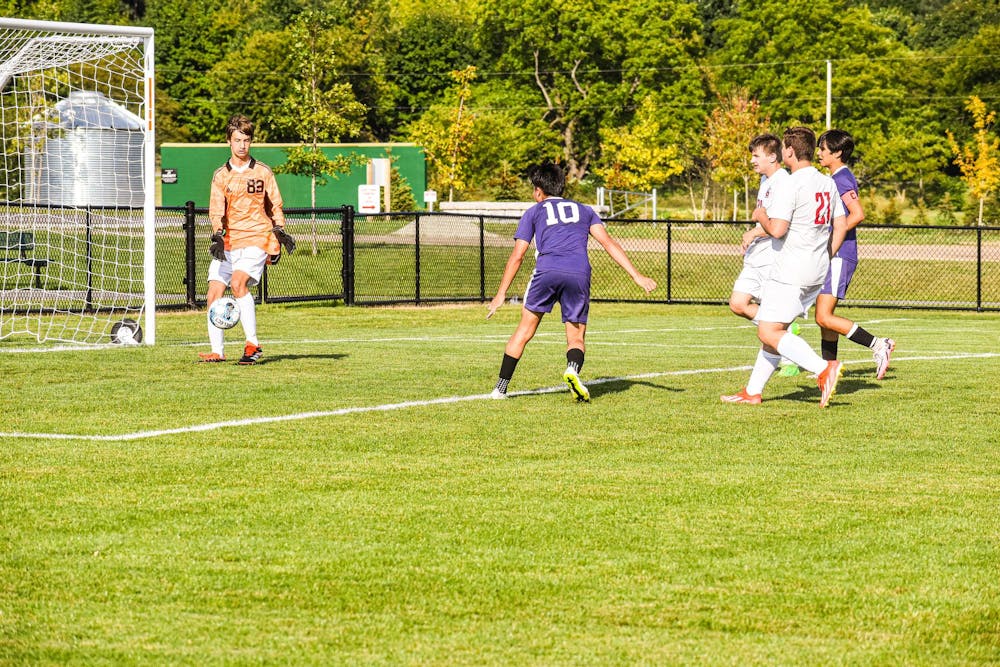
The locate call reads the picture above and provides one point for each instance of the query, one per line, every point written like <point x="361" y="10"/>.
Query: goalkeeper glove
<point x="217" y="248"/>
<point x="285" y="239"/>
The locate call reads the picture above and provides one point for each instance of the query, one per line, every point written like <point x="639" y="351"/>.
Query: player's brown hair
<point x="239" y="123"/>
<point x="802" y="141"/>
<point x="769" y="142"/>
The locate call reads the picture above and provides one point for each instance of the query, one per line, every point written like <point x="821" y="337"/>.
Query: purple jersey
<point x="847" y="186"/>
<point x="560" y="228"/>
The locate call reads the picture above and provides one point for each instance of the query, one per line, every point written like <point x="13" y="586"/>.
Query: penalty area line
<point x="388" y="407"/>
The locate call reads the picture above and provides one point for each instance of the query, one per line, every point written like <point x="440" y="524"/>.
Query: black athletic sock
<point x="829" y="349"/>
<point x="861" y="337"/>
<point x="507" y="367"/>
<point x="574" y="358"/>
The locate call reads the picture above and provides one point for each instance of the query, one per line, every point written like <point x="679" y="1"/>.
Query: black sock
<point x="574" y="358"/>
<point x="507" y="367"/>
<point x="829" y="348"/>
<point x="861" y="337"/>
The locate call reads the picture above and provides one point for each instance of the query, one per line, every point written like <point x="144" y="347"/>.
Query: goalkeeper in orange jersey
<point x="248" y="232"/>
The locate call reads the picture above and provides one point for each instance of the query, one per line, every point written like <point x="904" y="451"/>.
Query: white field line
<point x="212" y="426"/>
<point x="488" y="337"/>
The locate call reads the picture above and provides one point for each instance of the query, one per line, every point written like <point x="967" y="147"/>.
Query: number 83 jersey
<point x="246" y="201"/>
<point x="561" y="228"/>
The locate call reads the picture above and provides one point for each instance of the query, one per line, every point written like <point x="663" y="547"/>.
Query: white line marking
<point x="142" y="435"/>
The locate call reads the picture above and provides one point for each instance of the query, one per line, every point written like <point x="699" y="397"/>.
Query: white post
<point x="829" y="89"/>
<point x="654" y="203"/>
<point x="149" y="200"/>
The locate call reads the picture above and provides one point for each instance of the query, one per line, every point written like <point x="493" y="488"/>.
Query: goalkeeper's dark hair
<point x="239" y="123"/>
<point x="549" y="177"/>
<point x="838" y="141"/>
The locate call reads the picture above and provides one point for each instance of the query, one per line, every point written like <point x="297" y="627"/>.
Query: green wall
<point x="195" y="164"/>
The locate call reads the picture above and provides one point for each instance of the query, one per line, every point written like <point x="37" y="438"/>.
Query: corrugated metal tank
<point x="92" y="156"/>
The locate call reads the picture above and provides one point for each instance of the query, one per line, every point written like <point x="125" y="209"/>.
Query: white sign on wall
<point x="369" y="200"/>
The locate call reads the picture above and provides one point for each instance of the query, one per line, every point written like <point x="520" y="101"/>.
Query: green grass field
<point x="375" y="508"/>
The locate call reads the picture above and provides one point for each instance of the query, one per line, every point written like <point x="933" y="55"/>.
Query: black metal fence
<point x="428" y="257"/>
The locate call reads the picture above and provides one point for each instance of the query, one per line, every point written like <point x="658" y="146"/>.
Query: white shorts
<point x="250" y="261"/>
<point x="751" y="280"/>
<point x="780" y="302"/>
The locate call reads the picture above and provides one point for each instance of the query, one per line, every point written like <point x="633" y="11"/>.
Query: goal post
<point x="77" y="182"/>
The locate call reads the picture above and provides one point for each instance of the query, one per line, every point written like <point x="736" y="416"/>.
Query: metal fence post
<point x="979" y="269"/>
<point x="670" y="246"/>
<point x="482" y="258"/>
<point x="88" y="302"/>
<point x="347" y="248"/>
<point x="189" y="258"/>
<point x="416" y="259"/>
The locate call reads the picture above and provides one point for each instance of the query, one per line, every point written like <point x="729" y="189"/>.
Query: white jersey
<point x="809" y="201"/>
<point x="760" y="253"/>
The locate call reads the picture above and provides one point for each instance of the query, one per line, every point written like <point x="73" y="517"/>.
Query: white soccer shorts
<point x="780" y="302"/>
<point x="250" y="261"/>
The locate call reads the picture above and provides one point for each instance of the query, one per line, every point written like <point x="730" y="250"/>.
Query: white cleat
<point x="498" y="395"/>
<point x="882" y="355"/>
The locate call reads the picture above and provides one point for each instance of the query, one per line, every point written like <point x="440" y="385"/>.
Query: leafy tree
<point x="420" y="54"/>
<point x="590" y="63"/>
<point x="639" y="157"/>
<point x="314" y="109"/>
<point x="978" y="159"/>
<point x="731" y="125"/>
<point x="447" y="135"/>
<point x="789" y="43"/>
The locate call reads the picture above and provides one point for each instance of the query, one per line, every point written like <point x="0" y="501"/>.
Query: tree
<point x="447" y="135"/>
<point x="314" y="109"/>
<point x="638" y="157"/>
<point x="731" y="125"/>
<point x="590" y="63"/>
<point x="978" y="159"/>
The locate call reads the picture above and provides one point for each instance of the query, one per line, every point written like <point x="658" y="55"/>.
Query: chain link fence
<point x="429" y="257"/>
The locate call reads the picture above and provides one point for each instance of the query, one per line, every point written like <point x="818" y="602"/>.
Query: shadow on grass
<point x="603" y="387"/>
<point x="850" y="382"/>
<point x="278" y="358"/>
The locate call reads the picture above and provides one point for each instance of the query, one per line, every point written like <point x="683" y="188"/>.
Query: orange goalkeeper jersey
<point x="247" y="204"/>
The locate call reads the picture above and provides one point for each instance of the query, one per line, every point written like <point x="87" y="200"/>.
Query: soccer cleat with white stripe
<point x="575" y="386"/>
<point x="883" y="353"/>
<point x="498" y="395"/>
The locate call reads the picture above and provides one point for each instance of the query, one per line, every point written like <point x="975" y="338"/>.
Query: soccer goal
<point x="77" y="183"/>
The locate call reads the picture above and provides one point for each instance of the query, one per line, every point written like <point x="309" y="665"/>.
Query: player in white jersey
<point x="756" y="244"/>
<point x="805" y="208"/>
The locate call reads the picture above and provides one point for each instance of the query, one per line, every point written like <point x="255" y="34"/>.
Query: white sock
<point x="216" y="338"/>
<point x="762" y="371"/>
<point x="797" y="350"/>
<point x="248" y="318"/>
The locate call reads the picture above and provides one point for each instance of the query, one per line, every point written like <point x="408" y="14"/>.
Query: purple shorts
<point x="571" y="290"/>
<point x="838" y="278"/>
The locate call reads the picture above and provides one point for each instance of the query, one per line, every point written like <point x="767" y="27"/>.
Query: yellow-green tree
<point x="448" y="136"/>
<point x="978" y="158"/>
<point x="638" y="157"/>
<point x="731" y="125"/>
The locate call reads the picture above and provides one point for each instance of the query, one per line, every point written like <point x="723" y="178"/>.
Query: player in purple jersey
<point x="835" y="150"/>
<point x="560" y="228"/>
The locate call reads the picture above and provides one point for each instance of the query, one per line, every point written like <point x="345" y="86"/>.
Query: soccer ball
<point x="126" y="332"/>
<point x="224" y="313"/>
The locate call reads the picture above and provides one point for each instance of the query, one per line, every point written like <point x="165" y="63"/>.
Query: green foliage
<point x="979" y="160"/>
<point x="639" y="157"/>
<point x="401" y="194"/>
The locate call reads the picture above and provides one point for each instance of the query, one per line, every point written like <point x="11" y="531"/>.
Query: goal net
<point x="77" y="183"/>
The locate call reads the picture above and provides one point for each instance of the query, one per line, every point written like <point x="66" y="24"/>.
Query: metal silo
<point x="91" y="154"/>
